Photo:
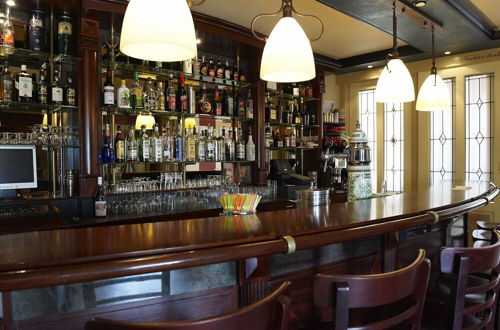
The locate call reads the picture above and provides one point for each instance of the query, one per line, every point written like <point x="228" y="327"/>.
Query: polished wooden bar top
<point x="52" y="248"/>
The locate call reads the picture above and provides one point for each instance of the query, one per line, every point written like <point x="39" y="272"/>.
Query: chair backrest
<point x="269" y="313"/>
<point x="345" y="292"/>
<point x="475" y="271"/>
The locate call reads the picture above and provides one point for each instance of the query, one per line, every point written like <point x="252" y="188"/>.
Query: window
<point x="478" y="132"/>
<point x="442" y="140"/>
<point x="368" y="118"/>
<point x="394" y="146"/>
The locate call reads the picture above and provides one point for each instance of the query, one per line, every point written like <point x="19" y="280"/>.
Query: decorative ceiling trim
<point x="466" y="8"/>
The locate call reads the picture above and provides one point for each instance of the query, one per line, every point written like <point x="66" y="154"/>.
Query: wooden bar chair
<point x="390" y="299"/>
<point x="270" y="313"/>
<point x="468" y="288"/>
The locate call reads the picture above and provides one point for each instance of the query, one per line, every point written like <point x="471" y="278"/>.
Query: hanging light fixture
<point x="144" y="119"/>
<point x="149" y="35"/>
<point x="395" y="84"/>
<point x="287" y="55"/>
<point x="433" y="95"/>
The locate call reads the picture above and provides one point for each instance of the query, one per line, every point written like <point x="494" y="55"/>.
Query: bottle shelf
<point x="135" y="112"/>
<point x="340" y="123"/>
<point x="33" y="108"/>
<point x="292" y="125"/>
<point x="179" y="163"/>
<point x="287" y="96"/>
<point x="27" y="56"/>
<point x="293" y="149"/>
<point x="127" y="70"/>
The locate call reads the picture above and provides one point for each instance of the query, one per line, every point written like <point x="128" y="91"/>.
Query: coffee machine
<point x="333" y="171"/>
<point x="358" y="169"/>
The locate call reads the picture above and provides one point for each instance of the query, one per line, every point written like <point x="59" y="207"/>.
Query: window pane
<point x="443" y="139"/>
<point x="368" y="118"/>
<point x="394" y="146"/>
<point x="478" y="134"/>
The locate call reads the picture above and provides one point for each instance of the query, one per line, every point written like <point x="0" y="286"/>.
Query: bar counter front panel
<point x="173" y="270"/>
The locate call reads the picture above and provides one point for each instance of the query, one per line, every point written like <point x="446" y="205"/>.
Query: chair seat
<point x="486" y="225"/>
<point x="482" y="234"/>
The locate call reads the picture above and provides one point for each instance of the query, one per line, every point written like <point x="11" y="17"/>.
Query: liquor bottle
<point x="196" y="66"/>
<point x="204" y="67"/>
<point x="243" y="76"/>
<point x="64" y="34"/>
<point x="312" y="118"/>
<point x="136" y="95"/>
<point x="1" y="84"/>
<point x="221" y="146"/>
<point x="179" y="145"/>
<point x="160" y="97"/>
<point x="8" y="83"/>
<point x="242" y="106"/>
<point x="150" y="96"/>
<point x="289" y="113"/>
<point x="217" y="102"/>
<point x="24" y="86"/>
<point x="123" y="96"/>
<point x="228" y="73"/>
<point x="100" y="200"/>
<point x="156" y="145"/>
<point x="227" y="103"/>
<point x="191" y="145"/>
<point x="293" y="139"/>
<point x="220" y="69"/>
<point x="56" y="90"/>
<point x="306" y="118"/>
<point x="236" y="74"/>
<point x="143" y="145"/>
<point x="297" y="118"/>
<point x="268" y="141"/>
<point x="249" y="105"/>
<point x="211" y="67"/>
<point x="200" y="147"/>
<point x="181" y="97"/>
<point x="250" y="147"/>
<point x="36" y="31"/>
<point x="69" y="92"/>
<point x="8" y="30"/>
<point x="240" y="146"/>
<point x="107" y="154"/>
<point x="204" y="105"/>
<point x="169" y="147"/>
<point x="119" y="146"/>
<point x="210" y="146"/>
<point x="279" y="112"/>
<point x="109" y="89"/>
<point x="267" y="109"/>
<point x="187" y="66"/>
<point x="131" y="144"/>
<point x="34" y="95"/>
<point x="230" y="150"/>
<point x="171" y="94"/>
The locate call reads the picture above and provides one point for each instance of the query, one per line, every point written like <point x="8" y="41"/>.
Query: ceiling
<point x="358" y="32"/>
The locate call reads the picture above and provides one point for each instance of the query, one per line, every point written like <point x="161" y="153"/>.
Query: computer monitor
<point x="17" y="167"/>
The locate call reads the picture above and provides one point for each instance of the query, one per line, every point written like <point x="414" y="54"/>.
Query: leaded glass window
<point x="442" y="140"/>
<point x="368" y="118"/>
<point x="478" y="130"/>
<point x="394" y="146"/>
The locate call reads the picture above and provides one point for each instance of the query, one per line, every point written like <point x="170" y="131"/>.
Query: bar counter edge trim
<point x="76" y="273"/>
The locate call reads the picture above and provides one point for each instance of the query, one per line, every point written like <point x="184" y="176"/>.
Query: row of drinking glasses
<point x="42" y="135"/>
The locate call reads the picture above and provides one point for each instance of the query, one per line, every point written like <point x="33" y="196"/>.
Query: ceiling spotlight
<point x="419" y="3"/>
<point x="370" y="66"/>
<point x="198" y="41"/>
<point x="447" y="52"/>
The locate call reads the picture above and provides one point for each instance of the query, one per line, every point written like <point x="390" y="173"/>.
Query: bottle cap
<point x="123" y="82"/>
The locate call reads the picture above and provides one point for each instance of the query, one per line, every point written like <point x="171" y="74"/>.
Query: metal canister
<point x="358" y="170"/>
<point x="70" y="183"/>
<point x="191" y="100"/>
<point x="36" y="30"/>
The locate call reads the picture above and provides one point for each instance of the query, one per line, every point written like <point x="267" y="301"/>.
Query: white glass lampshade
<point x="433" y="95"/>
<point x="287" y="55"/>
<point x="395" y="84"/>
<point x="158" y="30"/>
<point x="147" y="120"/>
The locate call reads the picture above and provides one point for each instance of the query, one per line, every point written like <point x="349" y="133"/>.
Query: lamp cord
<point x="433" y="69"/>
<point x="394" y="32"/>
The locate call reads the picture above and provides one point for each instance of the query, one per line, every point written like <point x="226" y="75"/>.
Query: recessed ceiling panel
<point x="489" y="8"/>
<point x="344" y="36"/>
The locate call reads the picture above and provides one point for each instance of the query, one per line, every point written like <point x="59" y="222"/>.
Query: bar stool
<point x="467" y="289"/>
<point x="269" y="313"/>
<point x="483" y="236"/>
<point x="395" y="298"/>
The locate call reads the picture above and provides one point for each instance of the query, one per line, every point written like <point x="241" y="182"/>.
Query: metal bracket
<point x="492" y="185"/>
<point x="435" y="215"/>
<point x="290" y="241"/>
<point x="487" y="199"/>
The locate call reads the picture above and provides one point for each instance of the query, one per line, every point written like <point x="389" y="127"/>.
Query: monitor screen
<point x="17" y="166"/>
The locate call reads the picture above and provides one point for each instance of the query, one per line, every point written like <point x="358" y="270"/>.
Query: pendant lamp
<point x="395" y="84"/>
<point x="144" y="119"/>
<point x="148" y="34"/>
<point x="287" y="55"/>
<point x="433" y="95"/>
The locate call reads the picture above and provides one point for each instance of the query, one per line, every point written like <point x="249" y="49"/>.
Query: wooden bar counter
<point x="245" y="255"/>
